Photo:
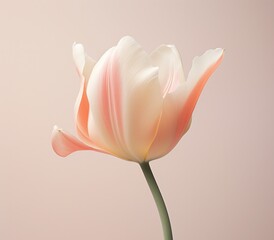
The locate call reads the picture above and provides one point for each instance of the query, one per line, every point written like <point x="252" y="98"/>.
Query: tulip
<point x="134" y="105"/>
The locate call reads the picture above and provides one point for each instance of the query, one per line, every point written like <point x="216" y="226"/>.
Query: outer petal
<point x="126" y="101"/>
<point x="202" y="68"/>
<point x="171" y="74"/>
<point x="104" y="96"/>
<point x="164" y="140"/>
<point x="179" y="105"/>
<point x="84" y="65"/>
<point x="173" y="86"/>
<point x="83" y="62"/>
<point x="64" y="144"/>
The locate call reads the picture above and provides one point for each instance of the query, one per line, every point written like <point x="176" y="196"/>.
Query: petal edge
<point x="64" y="144"/>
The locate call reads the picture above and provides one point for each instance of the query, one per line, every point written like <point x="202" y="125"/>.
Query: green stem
<point x="158" y="200"/>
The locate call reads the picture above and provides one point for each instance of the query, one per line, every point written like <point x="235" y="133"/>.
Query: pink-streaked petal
<point x="174" y="91"/>
<point x="178" y="105"/>
<point x="125" y="100"/>
<point x="202" y="68"/>
<point x="166" y="133"/>
<point x="84" y="65"/>
<point x="171" y="74"/>
<point x="82" y="114"/>
<point x="64" y="144"/>
<point x="103" y="92"/>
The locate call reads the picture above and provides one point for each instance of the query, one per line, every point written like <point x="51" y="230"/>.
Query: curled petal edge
<point x="171" y="73"/>
<point x="197" y="79"/>
<point x="202" y="68"/>
<point x="84" y="65"/>
<point x="64" y="144"/>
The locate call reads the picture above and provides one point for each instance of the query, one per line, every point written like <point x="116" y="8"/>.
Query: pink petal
<point x="202" y="68"/>
<point x="179" y="104"/>
<point x="173" y="84"/>
<point x="82" y="114"/>
<point x="84" y="65"/>
<point x="104" y="96"/>
<point x="64" y="144"/>
<point x="167" y="129"/>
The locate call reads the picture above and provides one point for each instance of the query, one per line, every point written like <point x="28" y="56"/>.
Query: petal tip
<point x="219" y="50"/>
<point x="62" y="143"/>
<point x="78" y="53"/>
<point x="56" y="128"/>
<point x="220" y="54"/>
<point x="77" y="46"/>
<point x="127" y="38"/>
<point x="127" y="41"/>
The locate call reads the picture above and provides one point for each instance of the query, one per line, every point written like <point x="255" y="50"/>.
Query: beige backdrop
<point x="217" y="182"/>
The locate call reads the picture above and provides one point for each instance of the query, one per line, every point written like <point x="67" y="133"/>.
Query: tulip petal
<point x="202" y="68"/>
<point x="171" y="74"/>
<point x="83" y="62"/>
<point x="125" y="100"/>
<point x="142" y="97"/>
<point x="166" y="133"/>
<point x="64" y="144"/>
<point x="143" y="113"/>
<point x="178" y="105"/>
<point x="84" y="65"/>
<point x="103" y="101"/>
<point x="173" y="86"/>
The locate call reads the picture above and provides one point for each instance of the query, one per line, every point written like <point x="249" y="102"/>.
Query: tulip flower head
<point x="134" y="105"/>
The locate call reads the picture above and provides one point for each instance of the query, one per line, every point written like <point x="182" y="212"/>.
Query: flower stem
<point x="158" y="200"/>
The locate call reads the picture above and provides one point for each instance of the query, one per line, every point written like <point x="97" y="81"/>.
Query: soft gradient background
<point x="218" y="182"/>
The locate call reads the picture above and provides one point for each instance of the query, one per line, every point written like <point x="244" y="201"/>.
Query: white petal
<point x="125" y="100"/>
<point x="143" y="107"/>
<point x="202" y="68"/>
<point x="165" y="139"/>
<point x="171" y="74"/>
<point x="78" y="53"/>
<point x="83" y="62"/>
<point x="203" y="65"/>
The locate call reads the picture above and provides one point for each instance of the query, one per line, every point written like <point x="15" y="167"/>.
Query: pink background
<point x="217" y="182"/>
